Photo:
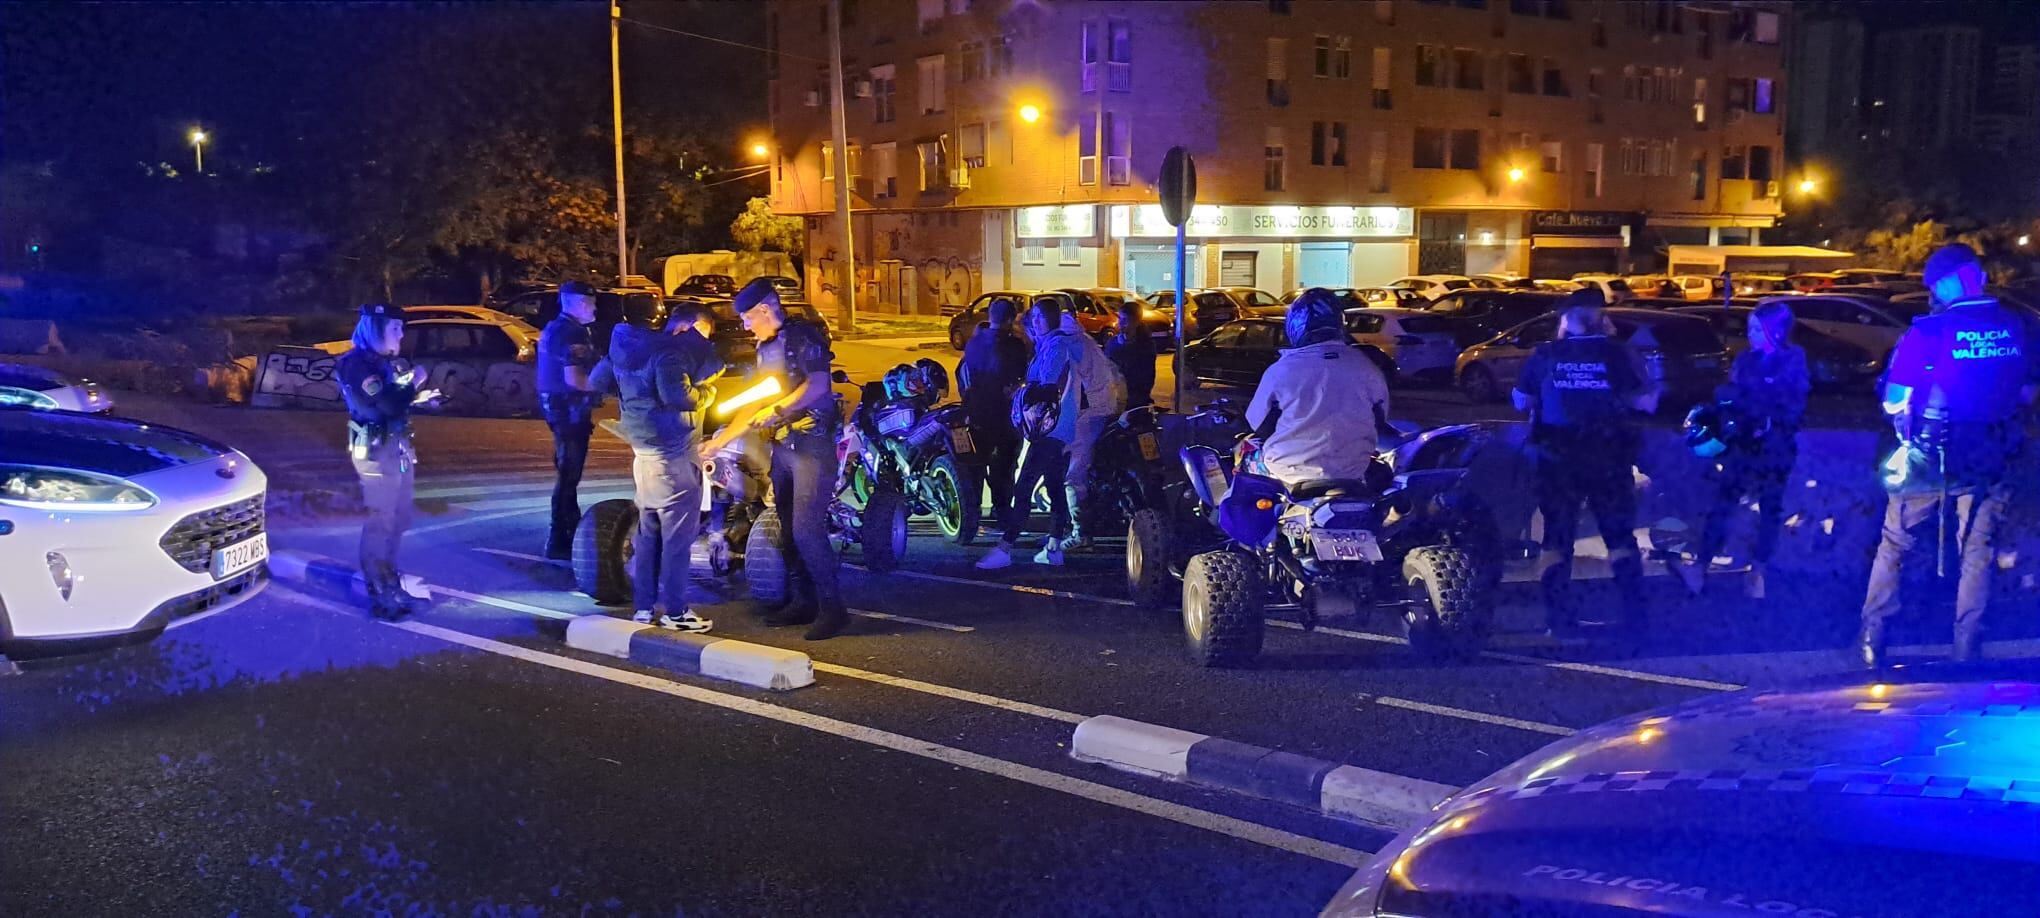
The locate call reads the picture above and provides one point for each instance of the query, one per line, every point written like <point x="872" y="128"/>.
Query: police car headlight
<point x="68" y="490"/>
<point x="16" y="397"/>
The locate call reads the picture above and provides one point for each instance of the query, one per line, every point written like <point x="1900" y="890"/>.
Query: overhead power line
<point x="720" y="41"/>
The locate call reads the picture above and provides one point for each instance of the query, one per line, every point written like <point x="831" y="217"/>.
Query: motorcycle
<point x="1408" y="538"/>
<point x="915" y="443"/>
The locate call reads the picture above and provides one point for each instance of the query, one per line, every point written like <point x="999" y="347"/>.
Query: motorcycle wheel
<point x="764" y="562"/>
<point x="1223" y="621"/>
<point x="1454" y="620"/>
<point x="945" y="497"/>
<point x="1149" y="553"/>
<point x="883" y="531"/>
<point x="602" y="551"/>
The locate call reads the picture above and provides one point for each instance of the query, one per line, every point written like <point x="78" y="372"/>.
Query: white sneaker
<point x="1693" y="573"/>
<point x="1753" y="582"/>
<point x="685" y="621"/>
<point x="996" y="559"/>
<point x="1051" y="553"/>
<point x="642" y="617"/>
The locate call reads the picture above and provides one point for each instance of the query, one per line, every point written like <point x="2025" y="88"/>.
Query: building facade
<point x="1015" y="144"/>
<point x="2010" y="120"/>
<point x="1824" y="83"/>
<point x="1926" y="84"/>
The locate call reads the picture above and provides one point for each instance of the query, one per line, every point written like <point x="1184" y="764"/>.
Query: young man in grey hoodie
<point x="660" y="376"/>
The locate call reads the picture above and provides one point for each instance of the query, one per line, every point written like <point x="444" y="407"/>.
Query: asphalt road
<point x="293" y="756"/>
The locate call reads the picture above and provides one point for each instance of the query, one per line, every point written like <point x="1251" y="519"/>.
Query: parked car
<point x="1853" y="276"/>
<point x="707" y="285"/>
<point x="1814" y="280"/>
<point x="1213" y="307"/>
<point x="1473" y="316"/>
<point x="1613" y="288"/>
<point x="1433" y="286"/>
<point x="966" y="321"/>
<point x="1234" y="354"/>
<point x="484" y="313"/>
<point x="1872" y="325"/>
<point x="1097" y="312"/>
<point x="791" y="290"/>
<point x="1886" y="793"/>
<point x="117" y="530"/>
<point x="1363" y="297"/>
<point x="1501" y="281"/>
<point x="1680" y="352"/>
<point x="1160" y="324"/>
<point x="26" y="386"/>
<point x="481" y="340"/>
<point x="1554" y="285"/>
<point x="1832" y="363"/>
<point x="1760" y="284"/>
<point x="1413" y="344"/>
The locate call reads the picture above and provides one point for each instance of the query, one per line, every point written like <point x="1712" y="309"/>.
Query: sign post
<point x="1179" y="196"/>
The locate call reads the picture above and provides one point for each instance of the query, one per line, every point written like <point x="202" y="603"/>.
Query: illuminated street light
<point x="1807" y="185"/>
<point x="2024" y="240"/>
<point x="198" y="139"/>
<point x="1030" y="113"/>
<point x="1516" y="173"/>
<point x="759" y="150"/>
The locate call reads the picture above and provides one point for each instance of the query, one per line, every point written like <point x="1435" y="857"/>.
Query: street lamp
<point x="1030" y="113"/>
<point x="1807" y="186"/>
<point x="1515" y="173"/>
<point x="198" y="139"/>
<point x="2024" y="240"/>
<point x="759" y="150"/>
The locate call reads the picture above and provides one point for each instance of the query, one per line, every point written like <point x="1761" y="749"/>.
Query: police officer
<point x="1132" y="350"/>
<point x="1582" y="391"/>
<point x="379" y="400"/>
<point x="994" y="363"/>
<point x="661" y="384"/>
<point x="802" y="426"/>
<point x="1956" y="392"/>
<point x="566" y="357"/>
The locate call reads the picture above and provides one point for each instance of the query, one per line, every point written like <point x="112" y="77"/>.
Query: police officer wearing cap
<point x="566" y="358"/>
<point x="1956" y="393"/>
<point x="801" y="423"/>
<point x="379" y="399"/>
<point x="1582" y="391"/>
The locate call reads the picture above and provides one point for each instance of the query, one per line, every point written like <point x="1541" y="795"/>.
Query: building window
<point x="1760" y="165"/>
<point x="1328" y="143"/>
<point x="970" y="62"/>
<point x="1384" y="11"/>
<point x="1522" y="79"/>
<point x="1118" y="149"/>
<point x="1087" y="152"/>
<point x="1342" y="57"/>
<point x="1553" y="154"/>
<point x="1554" y="79"/>
<point x="1069" y="252"/>
<point x="970" y="142"/>
<point x="999" y="56"/>
<point x="1699" y="101"/>
<point x="1466" y="149"/>
<point x="1735" y="162"/>
<point x="1596" y="165"/>
<point x="1278" y="7"/>
<point x="1317" y="143"/>
<point x="1760" y="27"/>
<point x="934" y="156"/>
<point x="1431" y="66"/>
<point x="828" y="161"/>
<point x="1119" y="56"/>
<point x="1033" y="253"/>
<point x="1428" y="152"/>
<point x="1550" y="9"/>
<point x="1469" y="71"/>
<point x="882" y="84"/>
<point x="1377" y="162"/>
<point x="1381" y="74"/>
<point x="1632" y="89"/>
<point x="1093" y="39"/>
<point x="1338" y="143"/>
<point x="930" y="15"/>
<point x="1699" y="175"/>
<point x="1594" y="77"/>
<point x="1274" y="162"/>
<point x="885" y="170"/>
<point x="1278" y="71"/>
<point x="1761" y="101"/>
<point x="999" y="143"/>
<point x="1321" y="57"/>
<point x="934" y="82"/>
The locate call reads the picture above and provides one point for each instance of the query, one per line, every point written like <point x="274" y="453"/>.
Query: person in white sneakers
<point x="1061" y="387"/>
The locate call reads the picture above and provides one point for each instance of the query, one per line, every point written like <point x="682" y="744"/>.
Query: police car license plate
<point x="1345" y="545"/>
<point x="240" y="556"/>
<point x="1149" y="449"/>
<point x="959" y="440"/>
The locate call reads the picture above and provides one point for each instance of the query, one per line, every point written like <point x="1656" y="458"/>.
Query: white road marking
<point x="543" y="502"/>
<point x="467" y="520"/>
<point x="1463" y="714"/>
<point x="507" y="604"/>
<point x="521" y="556"/>
<point x="1008" y="587"/>
<point x="990" y="701"/>
<point x="592" y="484"/>
<point x="949" y="755"/>
<point x="1596" y="668"/>
<point x="908" y="619"/>
<point x="1344" y="633"/>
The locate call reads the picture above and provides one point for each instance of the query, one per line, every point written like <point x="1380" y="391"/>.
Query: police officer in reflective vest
<point x="801" y="423"/>
<point x="1956" y="393"/>
<point x="566" y="357"/>
<point x="379" y="401"/>
<point x="1582" y="392"/>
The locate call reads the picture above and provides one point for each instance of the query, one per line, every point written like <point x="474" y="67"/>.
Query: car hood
<point x="1723" y="804"/>
<point x="109" y="446"/>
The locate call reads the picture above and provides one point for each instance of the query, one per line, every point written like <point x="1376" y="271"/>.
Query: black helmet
<point x="1713" y="427"/>
<point x="645" y="310"/>
<point x="934" y="379"/>
<point x="1314" y="317"/>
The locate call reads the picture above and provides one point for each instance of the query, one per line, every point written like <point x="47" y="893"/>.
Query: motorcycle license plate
<point x="1345" y="545"/>
<point x="959" y="439"/>
<point x="1149" y="449"/>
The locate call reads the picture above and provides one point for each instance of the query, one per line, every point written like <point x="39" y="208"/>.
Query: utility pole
<point x="846" y="268"/>
<point x="616" y="117"/>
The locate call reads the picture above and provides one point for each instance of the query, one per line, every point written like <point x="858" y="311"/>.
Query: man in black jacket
<point x="1133" y="352"/>
<point x="994" y="364"/>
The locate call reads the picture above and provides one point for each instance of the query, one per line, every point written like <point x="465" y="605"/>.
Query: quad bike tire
<point x="882" y="530"/>
<point x="602" y="551"/>
<point x="1150" y="552"/>
<point x="764" y="560"/>
<point x="1223" y="618"/>
<point x="1190" y="383"/>
<point x="1459" y="607"/>
<point x="945" y="492"/>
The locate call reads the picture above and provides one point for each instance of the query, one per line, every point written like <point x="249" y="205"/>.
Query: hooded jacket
<point x="654" y="376"/>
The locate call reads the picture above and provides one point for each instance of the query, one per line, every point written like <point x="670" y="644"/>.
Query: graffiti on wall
<point x="305" y="377"/>
<point x="925" y="260"/>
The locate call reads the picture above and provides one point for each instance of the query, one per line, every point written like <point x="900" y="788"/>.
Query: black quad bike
<point x="1410" y="539"/>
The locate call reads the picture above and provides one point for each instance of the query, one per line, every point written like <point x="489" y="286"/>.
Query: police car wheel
<point x="883" y="530"/>
<point x="1223" y="619"/>
<point x="1149" y="554"/>
<point x="601" y="557"/>
<point x="1479" y="384"/>
<point x="1450" y="606"/>
<point x="764" y="563"/>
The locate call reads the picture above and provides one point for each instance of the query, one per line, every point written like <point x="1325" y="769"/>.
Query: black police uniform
<point x="379" y="444"/>
<point x="1582" y="388"/>
<point x="1768" y="391"/>
<point x="993" y="367"/>
<point x="570" y="414"/>
<point x="804" y="479"/>
<point x="1960" y="435"/>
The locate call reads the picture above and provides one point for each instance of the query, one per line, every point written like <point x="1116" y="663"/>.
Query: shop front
<point x="1055" y="245"/>
<point x="1568" y="242"/>
<point x="1271" y="247"/>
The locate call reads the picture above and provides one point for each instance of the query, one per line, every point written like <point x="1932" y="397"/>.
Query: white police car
<point x="25" y="386"/>
<point x="113" y="530"/>
<point x="1916" y="795"/>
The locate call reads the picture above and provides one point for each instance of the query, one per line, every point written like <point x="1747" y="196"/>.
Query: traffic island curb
<point x="333" y="577"/>
<point x="1344" y="792"/>
<point x="756" y="665"/>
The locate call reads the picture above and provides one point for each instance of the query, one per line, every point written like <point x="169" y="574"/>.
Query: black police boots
<point x="1870" y="644"/>
<point x="831" y="622"/>
<point x="794" y="612"/>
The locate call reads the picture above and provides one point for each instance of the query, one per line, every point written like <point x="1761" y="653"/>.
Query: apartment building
<point x="1015" y="143"/>
<point x="1926" y="84"/>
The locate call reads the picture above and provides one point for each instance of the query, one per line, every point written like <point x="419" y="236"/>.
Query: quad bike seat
<point x="1330" y="487"/>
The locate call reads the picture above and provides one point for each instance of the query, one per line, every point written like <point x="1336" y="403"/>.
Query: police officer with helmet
<point x="1582" y="391"/>
<point x="801" y="423"/>
<point x="379" y="399"/>
<point x="1956" y="393"/>
<point x="566" y="358"/>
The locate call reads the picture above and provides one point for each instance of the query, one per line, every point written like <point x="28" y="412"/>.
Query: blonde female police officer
<point x="379" y="401"/>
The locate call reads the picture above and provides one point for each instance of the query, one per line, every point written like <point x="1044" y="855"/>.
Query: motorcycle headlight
<point x="16" y="397"/>
<point x="37" y="488"/>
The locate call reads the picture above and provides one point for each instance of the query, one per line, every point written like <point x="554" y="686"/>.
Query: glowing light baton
<point x="759" y="391"/>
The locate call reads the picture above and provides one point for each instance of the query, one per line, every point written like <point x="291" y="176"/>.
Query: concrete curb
<point x="1340" y="791"/>
<point x="333" y="577"/>
<point x="751" y="664"/>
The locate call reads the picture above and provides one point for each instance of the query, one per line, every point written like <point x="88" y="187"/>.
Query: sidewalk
<point x="871" y="326"/>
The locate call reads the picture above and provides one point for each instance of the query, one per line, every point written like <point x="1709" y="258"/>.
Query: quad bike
<point x="1409" y="539"/>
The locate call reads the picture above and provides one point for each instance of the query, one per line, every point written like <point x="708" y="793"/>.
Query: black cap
<point x="382" y="311"/>
<point x="757" y="291"/>
<point x="577" y="288"/>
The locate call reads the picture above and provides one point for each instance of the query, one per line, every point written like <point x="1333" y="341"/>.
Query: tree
<point x="759" y="229"/>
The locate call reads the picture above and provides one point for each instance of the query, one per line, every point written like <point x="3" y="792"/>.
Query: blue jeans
<point x="669" y="515"/>
<point x="1047" y="464"/>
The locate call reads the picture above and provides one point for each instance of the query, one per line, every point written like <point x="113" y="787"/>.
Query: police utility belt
<point x="365" y="437"/>
<point x="824" y="424"/>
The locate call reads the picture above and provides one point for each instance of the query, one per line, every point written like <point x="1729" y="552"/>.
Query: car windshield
<point x="1418" y="325"/>
<point x="1678" y="336"/>
<point x="1455" y="284"/>
<point x="1258" y="298"/>
<point x="1364" y="323"/>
